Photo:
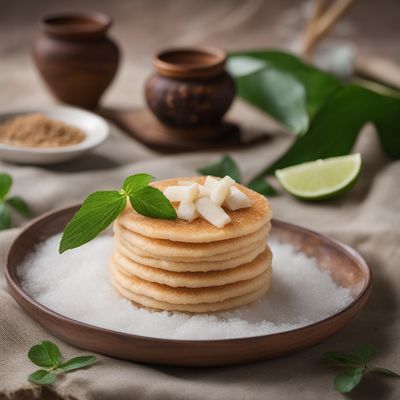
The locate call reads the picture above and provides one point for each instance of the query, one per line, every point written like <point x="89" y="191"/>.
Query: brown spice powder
<point x="37" y="130"/>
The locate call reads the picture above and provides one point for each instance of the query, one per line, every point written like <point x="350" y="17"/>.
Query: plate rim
<point x="364" y="292"/>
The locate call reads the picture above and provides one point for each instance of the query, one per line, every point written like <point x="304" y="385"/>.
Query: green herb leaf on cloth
<point x="43" y="377"/>
<point x="8" y="203"/>
<point x="45" y="354"/>
<point x="19" y="205"/>
<point x="354" y="367"/>
<point x="48" y="355"/>
<point x="346" y="381"/>
<point x="77" y="363"/>
<point x="225" y="166"/>
<point x="5" y="185"/>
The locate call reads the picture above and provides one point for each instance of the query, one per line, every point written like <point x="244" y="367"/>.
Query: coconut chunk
<point x="236" y="200"/>
<point x="204" y="191"/>
<point x="187" y="211"/>
<point x="210" y="182"/>
<point x="214" y="214"/>
<point x="182" y="193"/>
<point x="220" y="190"/>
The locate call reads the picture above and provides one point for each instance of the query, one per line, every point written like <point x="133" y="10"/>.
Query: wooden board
<point x="144" y="127"/>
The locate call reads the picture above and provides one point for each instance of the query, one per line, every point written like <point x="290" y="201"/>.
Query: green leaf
<point x="346" y="381"/>
<point x="342" y="359"/>
<point x="98" y="211"/>
<point x="136" y="182"/>
<point x="284" y="97"/>
<point x="365" y="352"/>
<point x="225" y="166"/>
<point x="5" y="185"/>
<point x="5" y="216"/>
<point x="19" y="205"/>
<point x="263" y="187"/>
<point x="42" y="377"/>
<point x="384" y="371"/>
<point x="45" y="354"/>
<point x="292" y="106"/>
<point x="336" y="125"/>
<point x="77" y="363"/>
<point x="151" y="202"/>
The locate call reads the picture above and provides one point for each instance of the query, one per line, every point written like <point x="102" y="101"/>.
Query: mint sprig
<point x="227" y="166"/>
<point x="8" y="203"/>
<point x="48" y="356"/>
<point x="101" y="208"/>
<point x="354" y="367"/>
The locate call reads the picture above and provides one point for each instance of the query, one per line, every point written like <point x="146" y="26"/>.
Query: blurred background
<point x="141" y="27"/>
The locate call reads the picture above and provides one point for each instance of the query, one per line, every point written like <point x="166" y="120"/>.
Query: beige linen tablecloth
<point x="368" y="218"/>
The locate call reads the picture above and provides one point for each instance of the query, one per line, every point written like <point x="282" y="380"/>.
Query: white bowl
<point x="95" y="128"/>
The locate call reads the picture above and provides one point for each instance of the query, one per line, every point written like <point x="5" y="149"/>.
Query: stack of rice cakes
<point x="177" y="265"/>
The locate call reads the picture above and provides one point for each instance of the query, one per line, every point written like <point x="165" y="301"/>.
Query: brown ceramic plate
<point x="347" y="267"/>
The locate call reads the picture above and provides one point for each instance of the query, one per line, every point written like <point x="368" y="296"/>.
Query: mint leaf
<point x="223" y="167"/>
<point x="42" y="377"/>
<point x="346" y="381"/>
<point x="151" y="202"/>
<point x="365" y="352"/>
<point x="136" y="182"/>
<point x="46" y="354"/>
<point x="5" y="185"/>
<point x="5" y="216"/>
<point x="19" y="205"/>
<point x="385" y="371"/>
<point x="98" y="211"/>
<point x="263" y="187"/>
<point x="78" y="362"/>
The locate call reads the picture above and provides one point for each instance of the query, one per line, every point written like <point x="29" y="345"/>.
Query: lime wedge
<point x="321" y="179"/>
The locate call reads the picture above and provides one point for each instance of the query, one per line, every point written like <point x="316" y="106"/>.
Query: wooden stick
<point x="325" y="23"/>
<point x="318" y="8"/>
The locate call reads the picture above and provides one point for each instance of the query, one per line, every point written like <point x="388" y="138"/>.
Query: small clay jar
<point x="190" y="88"/>
<point x="75" y="57"/>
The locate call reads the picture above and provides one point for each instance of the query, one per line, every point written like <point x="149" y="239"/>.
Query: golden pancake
<point x="233" y="302"/>
<point x="217" y="257"/>
<point x="191" y="265"/>
<point x="244" y="221"/>
<point x="184" y="295"/>
<point x="168" y="248"/>
<point x="195" y="279"/>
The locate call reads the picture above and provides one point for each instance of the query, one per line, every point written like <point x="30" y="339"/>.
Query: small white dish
<point x="95" y="128"/>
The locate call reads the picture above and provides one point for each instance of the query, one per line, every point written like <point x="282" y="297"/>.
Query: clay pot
<point x="190" y="87"/>
<point x="75" y="57"/>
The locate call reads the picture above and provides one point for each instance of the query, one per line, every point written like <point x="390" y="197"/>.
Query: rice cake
<point x="191" y="265"/>
<point x="244" y="221"/>
<point x="217" y="257"/>
<point x="195" y="279"/>
<point x="183" y="295"/>
<point x="158" y="305"/>
<point x="169" y="248"/>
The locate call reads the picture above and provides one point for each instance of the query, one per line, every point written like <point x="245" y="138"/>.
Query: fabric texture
<point x="367" y="218"/>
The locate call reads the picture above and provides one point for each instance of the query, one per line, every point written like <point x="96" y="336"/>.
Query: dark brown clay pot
<point x="75" y="57"/>
<point x="190" y="87"/>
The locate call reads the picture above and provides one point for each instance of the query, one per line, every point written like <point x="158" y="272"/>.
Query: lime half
<point x="321" y="179"/>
